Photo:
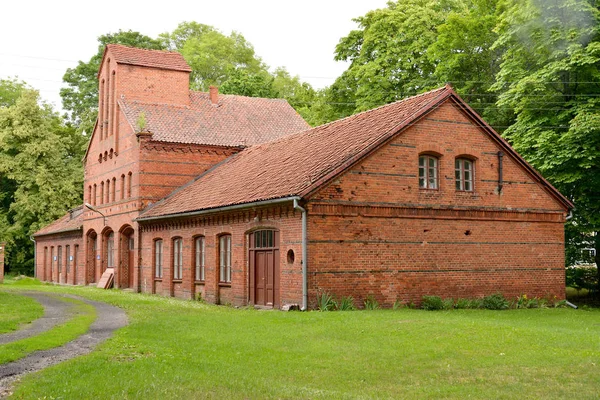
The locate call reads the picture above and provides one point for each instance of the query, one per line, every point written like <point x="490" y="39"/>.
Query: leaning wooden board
<point x="106" y="280"/>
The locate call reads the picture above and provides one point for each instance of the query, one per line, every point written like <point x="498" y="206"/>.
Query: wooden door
<point x="264" y="268"/>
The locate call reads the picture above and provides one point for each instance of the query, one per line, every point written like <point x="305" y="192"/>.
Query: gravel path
<point x="109" y="318"/>
<point x="55" y="312"/>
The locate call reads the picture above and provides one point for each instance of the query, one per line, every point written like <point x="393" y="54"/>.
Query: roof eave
<point x="79" y="228"/>
<point x="214" y="210"/>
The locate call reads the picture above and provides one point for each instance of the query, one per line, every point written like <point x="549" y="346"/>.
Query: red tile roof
<point x="235" y="121"/>
<point x="71" y="221"/>
<point x="296" y="164"/>
<point x="147" y="58"/>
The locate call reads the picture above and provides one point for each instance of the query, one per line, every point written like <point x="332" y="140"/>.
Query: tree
<point x="550" y="76"/>
<point x="10" y="90"/>
<point x="42" y="177"/>
<point x="211" y="54"/>
<point x="80" y="97"/>
<point x="388" y="55"/>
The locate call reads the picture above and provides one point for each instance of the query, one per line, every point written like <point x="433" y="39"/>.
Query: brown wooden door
<point x="131" y="258"/>
<point x="264" y="268"/>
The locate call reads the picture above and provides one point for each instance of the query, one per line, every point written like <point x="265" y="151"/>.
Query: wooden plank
<point x="106" y="280"/>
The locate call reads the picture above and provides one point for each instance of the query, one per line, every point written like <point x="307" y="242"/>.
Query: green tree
<point x="42" y="177"/>
<point x="10" y="90"/>
<point x="211" y="54"/>
<point x="80" y="96"/>
<point x="388" y="55"/>
<point x="550" y="76"/>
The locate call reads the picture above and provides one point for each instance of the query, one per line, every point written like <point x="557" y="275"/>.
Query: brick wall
<point x="373" y="231"/>
<point x="238" y="225"/>
<point x="72" y="263"/>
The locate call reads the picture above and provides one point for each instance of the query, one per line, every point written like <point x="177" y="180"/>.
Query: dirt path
<point x="55" y="312"/>
<point x="109" y="318"/>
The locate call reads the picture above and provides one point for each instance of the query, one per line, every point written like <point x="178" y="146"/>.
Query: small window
<point x="129" y="184"/>
<point x="177" y="258"/>
<point x="114" y="189"/>
<point x="263" y="239"/>
<point x="59" y="259"/>
<point x="68" y="258"/>
<point x="428" y="172"/>
<point x="122" y="186"/>
<point x="464" y="174"/>
<point x="199" y="257"/>
<point x="94" y="195"/>
<point x="101" y="192"/>
<point x="107" y="191"/>
<point x="225" y="258"/>
<point x="89" y="194"/>
<point x="158" y="258"/>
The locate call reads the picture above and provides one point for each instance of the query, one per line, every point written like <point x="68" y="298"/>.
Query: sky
<point x="39" y="40"/>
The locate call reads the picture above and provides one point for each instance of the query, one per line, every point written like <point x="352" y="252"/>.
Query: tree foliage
<point x="550" y="77"/>
<point x="40" y="166"/>
<point x="212" y="55"/>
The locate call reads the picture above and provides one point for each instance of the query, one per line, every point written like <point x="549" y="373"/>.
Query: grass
<point x="182" y="349"/>
<point x="17" y="311"/>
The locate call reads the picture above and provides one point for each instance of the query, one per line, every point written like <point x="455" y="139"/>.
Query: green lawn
<point x="17" y="310"/>
<point x="181" y="349"/>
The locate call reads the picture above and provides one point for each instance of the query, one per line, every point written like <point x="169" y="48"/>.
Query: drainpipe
<point x="304" y="257"/>
<point x="34" y="256"/>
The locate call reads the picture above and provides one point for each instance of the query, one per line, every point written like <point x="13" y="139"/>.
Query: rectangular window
<point x="110" y="247"/>
<point x="225" y="258"/>
<point x="68" y="258"/>
<point x="177" y="258"/>
<point x="199" y="256"/>
<point x="463" y="174"/>
<point x="158" y="258"/>
<point x="428" y="172"/>
<point x="59" y="259"/>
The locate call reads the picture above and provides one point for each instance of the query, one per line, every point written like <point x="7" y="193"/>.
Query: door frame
<point x="252" y="253"/>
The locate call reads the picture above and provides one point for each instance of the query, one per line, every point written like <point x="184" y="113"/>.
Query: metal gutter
<point x="304" y="256"/>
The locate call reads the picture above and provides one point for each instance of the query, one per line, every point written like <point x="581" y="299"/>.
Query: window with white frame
<point x="199" y="257"/>
<point x="177" y="258"/>
<point x="225" y="258"/>
<point x="428" y="172"/>
<point x="464" y="172"/>
<point x="158" y="258"/>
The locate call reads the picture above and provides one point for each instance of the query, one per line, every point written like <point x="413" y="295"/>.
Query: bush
<point x="347" y="304"/>
<point x="495" y="302"/>
<point x="462" y="304"/>
<point x="582" y="277"/>
<point x="370" y="303"/>
<point x="432" y="303"/>
<point x="326" y="302"/>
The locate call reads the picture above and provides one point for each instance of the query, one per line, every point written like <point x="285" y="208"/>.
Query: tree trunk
<point x="597" y="260"/>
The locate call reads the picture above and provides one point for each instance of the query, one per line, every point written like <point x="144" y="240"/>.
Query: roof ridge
<point x="143" y="49"/>
<point x="136" y="102"/>
<point x="349" y="117"/>
<point x="239" y="95"/>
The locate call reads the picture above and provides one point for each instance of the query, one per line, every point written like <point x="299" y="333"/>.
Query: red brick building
<point x="236" y="200"/>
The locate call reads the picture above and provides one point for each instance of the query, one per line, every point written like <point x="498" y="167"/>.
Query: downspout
<point x="34" y="256"/>
<point x="304" y="257"/>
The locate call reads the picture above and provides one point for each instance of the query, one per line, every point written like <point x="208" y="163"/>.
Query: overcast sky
<point x="39" y="40"/>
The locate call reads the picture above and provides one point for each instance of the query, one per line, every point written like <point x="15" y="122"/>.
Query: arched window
<point x="129" y="185"/>
<point x="107" y="191"/>
<point x="464" y="171"/>
<point x="225" y="259"/>
<point x="122" y="186"/>
<point x="177" y="258"/>
<point x="110" y="250"/>
<point x="101" y="192"/>
<point x="199" y="257"/>
<point x="428" y="172"/>
<point x="158" y="258"/>
<point x="90" y="194"/>
<point x="94" y="196"/>
<point x="114" y="189"/>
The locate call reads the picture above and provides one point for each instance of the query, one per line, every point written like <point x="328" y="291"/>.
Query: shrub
<point x="495" y="302"/>
<point x="326" y="302"/>
<point x="370" y="303"/>
<point x="432" y="303"/>
<point x="347" y="304"/>
<point x="398" y="304"/>
<point x="448" y="304"/>
<point x="462" y="304"/>
<point x="582" y="277"/>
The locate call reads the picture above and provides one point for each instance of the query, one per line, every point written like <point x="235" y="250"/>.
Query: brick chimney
<point x="214" y="95"/>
